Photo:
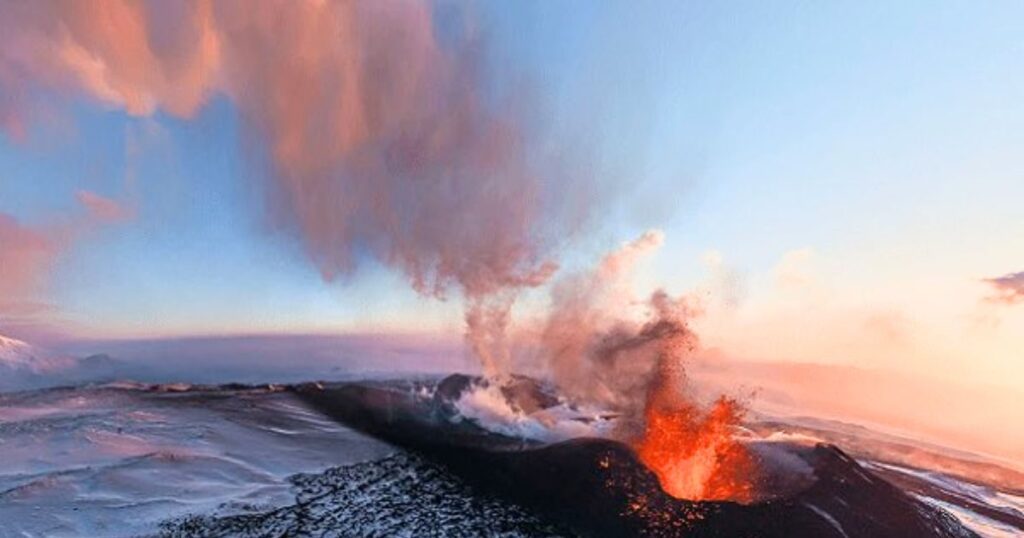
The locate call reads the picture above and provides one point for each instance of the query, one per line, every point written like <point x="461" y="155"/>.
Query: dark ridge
<point x="598" y="487"/>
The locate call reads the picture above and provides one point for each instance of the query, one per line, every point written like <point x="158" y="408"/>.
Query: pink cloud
<point x="1009" y="288"/>
<point x="103" y="209"/>
<point x="110" y="53"/>
<point x="26" y="256"/>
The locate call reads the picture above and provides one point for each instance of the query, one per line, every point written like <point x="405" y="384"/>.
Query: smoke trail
<point x="385" y="142"/>
<point x="385" y="136"/>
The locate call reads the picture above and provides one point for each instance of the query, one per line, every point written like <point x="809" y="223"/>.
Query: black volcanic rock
<point x="598" y="487"/>
<point x="400" y="495"/>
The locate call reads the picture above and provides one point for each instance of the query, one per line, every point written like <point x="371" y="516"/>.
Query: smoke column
<point x="385" y="142"/>
<point x="385" y="138"/>
<point x="584" y="338"/>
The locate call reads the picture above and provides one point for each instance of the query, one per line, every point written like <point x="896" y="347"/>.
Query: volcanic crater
<point x="598" y="486"/>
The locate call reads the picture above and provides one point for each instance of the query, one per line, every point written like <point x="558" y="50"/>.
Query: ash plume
<point x="384" y="135"/>
<point x="603" y="345"/>
<point x="591" y="348"/>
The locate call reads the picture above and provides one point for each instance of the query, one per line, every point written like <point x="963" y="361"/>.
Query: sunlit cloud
<point x="102" y="208"/>
<point x="1009" y="288"/>
<point x="796" y="269"/>
<point x="29" y="253"/>
<point x="26" y="256"/>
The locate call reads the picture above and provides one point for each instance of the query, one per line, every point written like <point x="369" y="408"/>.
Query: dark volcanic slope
<point x="401" y="495"/>
<point x="598" y="487"/>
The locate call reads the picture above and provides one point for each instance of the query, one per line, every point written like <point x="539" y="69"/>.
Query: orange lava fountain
<point x="692" y="450"/>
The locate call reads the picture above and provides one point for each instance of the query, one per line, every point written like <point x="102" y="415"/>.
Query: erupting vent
<point x="692" y="450"/>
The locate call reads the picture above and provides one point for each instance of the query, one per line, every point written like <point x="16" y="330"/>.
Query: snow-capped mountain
<point x="24" y="366"/>
<point x="16" y="354"/>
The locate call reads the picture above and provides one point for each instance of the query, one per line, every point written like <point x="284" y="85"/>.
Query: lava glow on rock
<point x="692" y="449"/>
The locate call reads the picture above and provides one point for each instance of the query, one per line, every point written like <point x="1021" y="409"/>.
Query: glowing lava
<point x="692" y="450"/>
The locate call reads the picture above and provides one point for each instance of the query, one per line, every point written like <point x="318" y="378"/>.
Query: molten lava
<point x="692" y="450"/>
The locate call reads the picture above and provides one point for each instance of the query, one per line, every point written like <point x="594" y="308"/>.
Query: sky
<point x="839" y="183"/>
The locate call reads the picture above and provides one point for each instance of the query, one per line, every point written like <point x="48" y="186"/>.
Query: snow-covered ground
<point x="116" y="460"/>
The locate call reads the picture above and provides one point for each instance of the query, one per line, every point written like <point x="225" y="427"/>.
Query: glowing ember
<point x="692" y="450"/>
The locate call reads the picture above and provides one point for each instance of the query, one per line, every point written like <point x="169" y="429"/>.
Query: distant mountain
<point x="14" y="352"/>
<point x="24" y="366"/>
<point x="18" y="355"/>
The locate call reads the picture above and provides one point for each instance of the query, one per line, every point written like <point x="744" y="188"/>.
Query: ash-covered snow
<point x="401" y="495"/>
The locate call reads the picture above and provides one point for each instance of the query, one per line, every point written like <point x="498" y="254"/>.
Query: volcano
<point x="600" y="487"/>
